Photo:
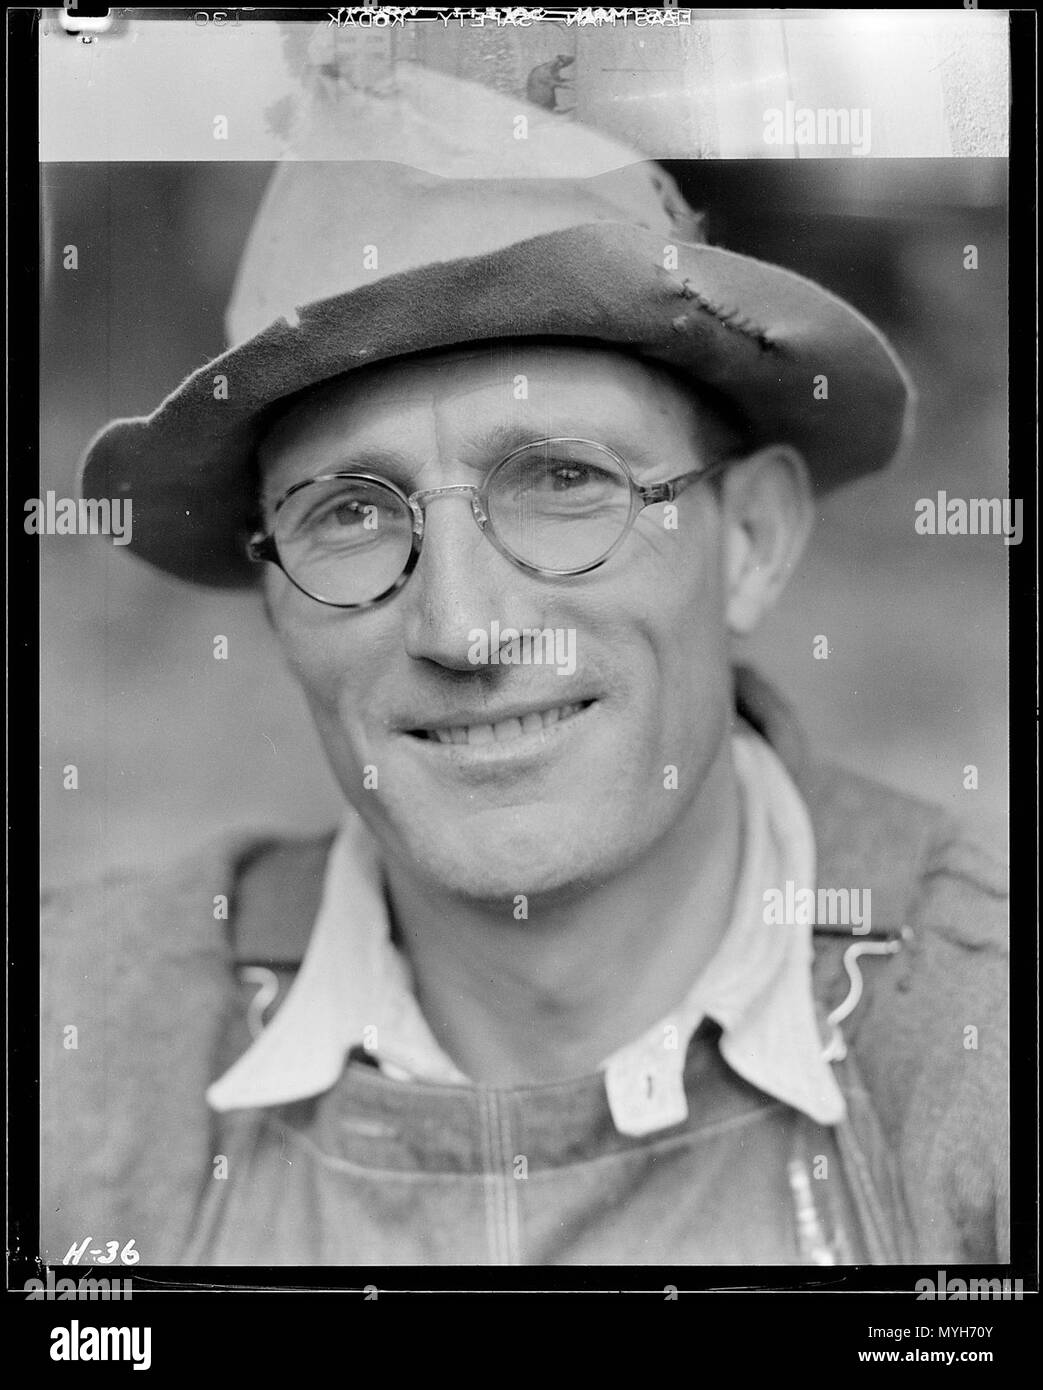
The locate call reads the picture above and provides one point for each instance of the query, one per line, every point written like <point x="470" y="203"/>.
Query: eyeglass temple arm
<point x="673" y="487"/>
<point x="261" y="547"/>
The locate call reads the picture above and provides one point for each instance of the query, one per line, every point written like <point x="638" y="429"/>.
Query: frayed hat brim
<point x="759" y="336"/>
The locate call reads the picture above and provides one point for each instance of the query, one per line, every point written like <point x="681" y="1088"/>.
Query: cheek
<point x="330" y="657"/>
<point x="673" y="595"/>
<point x="687" y="675"/>
<point x="309" y="638"/>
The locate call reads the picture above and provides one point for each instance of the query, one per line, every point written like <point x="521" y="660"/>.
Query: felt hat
<point x="352" y="263"/>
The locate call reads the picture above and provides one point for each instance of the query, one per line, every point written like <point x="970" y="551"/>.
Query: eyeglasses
<point x="554" y="507"/>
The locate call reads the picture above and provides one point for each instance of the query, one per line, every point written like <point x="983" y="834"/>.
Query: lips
<point x="501" y="730"/>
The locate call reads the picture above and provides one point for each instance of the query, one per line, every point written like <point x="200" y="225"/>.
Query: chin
<point x="494" y="856"/>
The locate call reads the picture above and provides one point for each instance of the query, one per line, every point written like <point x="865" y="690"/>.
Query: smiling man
<point x="496" y="781"/>
<point x="527" y="1004"/>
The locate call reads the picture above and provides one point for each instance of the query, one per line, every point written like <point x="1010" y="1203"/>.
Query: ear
<point x="767" y="514"/>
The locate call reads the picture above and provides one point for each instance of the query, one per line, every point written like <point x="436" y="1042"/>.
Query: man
<point x="603" y="965"/>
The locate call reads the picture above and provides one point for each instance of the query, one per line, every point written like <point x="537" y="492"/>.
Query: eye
<point x="583" y="484"/>
<point x="550" y="474"/>
<point x="345" y="513"/>
<point x="343" y="517"/>
<point x="565" y="476"/>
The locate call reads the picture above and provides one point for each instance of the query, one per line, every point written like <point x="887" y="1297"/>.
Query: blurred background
<point x="173" y="746"/>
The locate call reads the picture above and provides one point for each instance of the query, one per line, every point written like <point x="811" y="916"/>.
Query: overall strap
<point x="277" y="899"/>
<point x="872" y="1173"/>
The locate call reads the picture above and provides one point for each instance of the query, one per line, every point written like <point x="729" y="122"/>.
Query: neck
<point x="529" y="1002"/>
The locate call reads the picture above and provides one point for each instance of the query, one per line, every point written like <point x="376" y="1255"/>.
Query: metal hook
<point x="836" y="1049"/>
<point x="267" y="983"/>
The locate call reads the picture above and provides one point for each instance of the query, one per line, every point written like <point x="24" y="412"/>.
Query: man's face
<point x="572" y="783"/>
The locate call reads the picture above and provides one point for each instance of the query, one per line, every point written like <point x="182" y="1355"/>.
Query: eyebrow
<point x="483" y="452"/>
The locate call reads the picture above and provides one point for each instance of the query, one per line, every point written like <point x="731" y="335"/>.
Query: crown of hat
<point x="326" y="227"/>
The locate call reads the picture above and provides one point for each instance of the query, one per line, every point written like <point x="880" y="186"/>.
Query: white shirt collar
<point x="354" y="987"/>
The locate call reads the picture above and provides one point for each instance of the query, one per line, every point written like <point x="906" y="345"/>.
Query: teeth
<point x="505" y="729"/>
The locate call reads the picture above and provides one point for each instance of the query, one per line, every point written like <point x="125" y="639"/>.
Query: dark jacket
<point x="148" y="977"/>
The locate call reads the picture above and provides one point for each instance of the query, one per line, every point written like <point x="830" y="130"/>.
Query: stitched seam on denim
<point x="836" y="1234"/>
<point x="678" y="1141"/>
<point x="841" y="1237"/>
<point x="878" y="1235"/>
<point x="500" y="1179"/>
<point x="345" y="1165"/>
<point x="492" y="1230"/>
<point x="810" y="1234"/>
<point x="510" y="1191"/>
<point x="373" y="1079"/>
<point x="411" y="1174"/>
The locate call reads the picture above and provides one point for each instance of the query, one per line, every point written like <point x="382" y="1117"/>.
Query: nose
<point x="460" y="584"/>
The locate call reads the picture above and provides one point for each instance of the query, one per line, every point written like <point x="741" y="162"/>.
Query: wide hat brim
<point x="802" y="366"/>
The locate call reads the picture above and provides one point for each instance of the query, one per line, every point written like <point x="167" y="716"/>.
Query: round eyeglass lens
<point x="344" y="540"/>
<point x="559" y="504"/>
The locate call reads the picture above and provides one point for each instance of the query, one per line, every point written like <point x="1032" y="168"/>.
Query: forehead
<point x="550" y="388"/>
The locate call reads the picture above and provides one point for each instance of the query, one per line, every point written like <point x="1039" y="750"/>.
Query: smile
<point x="503" y="730"/>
